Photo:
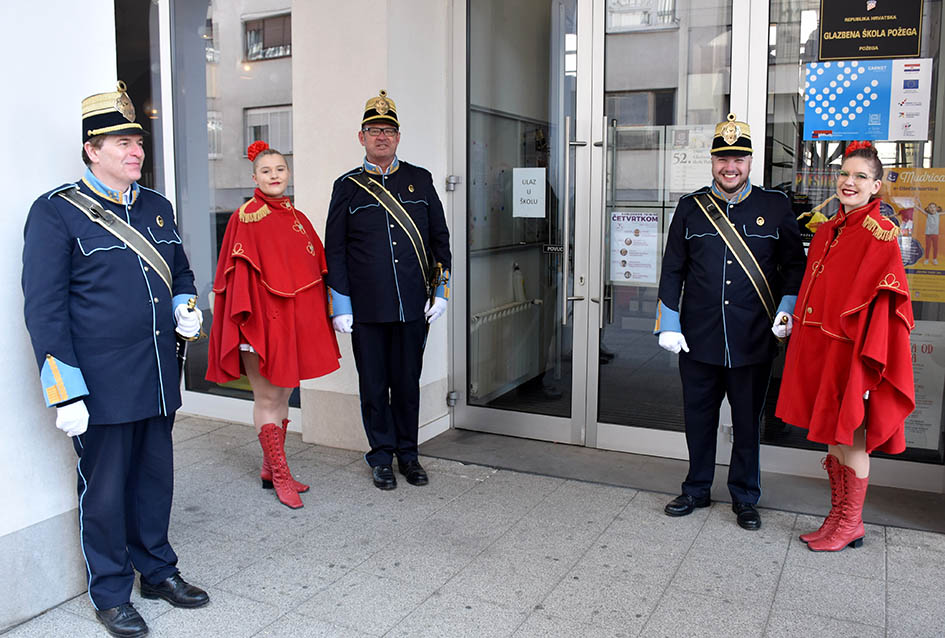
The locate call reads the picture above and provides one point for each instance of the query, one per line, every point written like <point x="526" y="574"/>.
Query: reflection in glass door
<point x="520" y="208"/>
<point x="565" y="233"/>
<point x="660" y="113"/>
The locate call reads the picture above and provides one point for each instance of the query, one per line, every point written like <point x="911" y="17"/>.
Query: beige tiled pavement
<point x="482" y="552"/>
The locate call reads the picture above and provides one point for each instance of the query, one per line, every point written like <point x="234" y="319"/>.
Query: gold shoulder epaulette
<point x="880" y="233"/>
<point x="256" y="215"/>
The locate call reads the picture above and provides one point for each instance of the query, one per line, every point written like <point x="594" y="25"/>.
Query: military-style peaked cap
<point x="109" y="114"/>
<point x="380" y="110"/>
<point x="731" y="137"/>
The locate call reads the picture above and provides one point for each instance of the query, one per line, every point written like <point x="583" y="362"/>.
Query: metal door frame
<point x="560" y="429"/>
<point x="749" y="94"/>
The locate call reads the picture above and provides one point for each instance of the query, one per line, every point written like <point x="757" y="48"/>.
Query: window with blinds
<point x="268" y="38"/>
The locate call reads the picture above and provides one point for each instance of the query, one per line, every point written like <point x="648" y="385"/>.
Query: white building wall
<point x="74" y="57"/>
<point x="341" y="57"/>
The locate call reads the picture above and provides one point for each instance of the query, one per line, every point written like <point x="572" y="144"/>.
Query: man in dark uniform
<point x="102" y="318"/>
<point x="711" y="312"/>
<point x="384" y="236"/>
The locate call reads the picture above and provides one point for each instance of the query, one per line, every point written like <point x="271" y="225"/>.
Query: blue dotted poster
<point x="847" y="100"/>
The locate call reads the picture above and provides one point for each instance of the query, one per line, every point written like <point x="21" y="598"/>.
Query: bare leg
<point x="270" y="402"/>
<point x="837" y="451"/>
<point x="855" y="456"/>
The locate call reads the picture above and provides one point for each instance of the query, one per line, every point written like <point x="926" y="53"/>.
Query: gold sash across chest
<point x="120" y="229"/>
<point x="741" y="251"/>
<point x="403" y="219"/>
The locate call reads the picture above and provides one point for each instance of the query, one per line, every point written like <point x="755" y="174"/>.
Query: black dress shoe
<point x="383" y="476"/>
<point x="176" y="591"/>
<point x="747" y="516"/>
<point x="414" y="472"/>
<point x="683" y="505"/>
<point x="123" y="621"/>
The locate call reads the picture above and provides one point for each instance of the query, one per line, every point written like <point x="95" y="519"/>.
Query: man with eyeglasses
<point x="388" y="252"/>
<point x="733" y="263"/>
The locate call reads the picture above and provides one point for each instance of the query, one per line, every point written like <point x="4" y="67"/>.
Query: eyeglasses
<point x="374" y="131"/>
<point x="857" y="177"/>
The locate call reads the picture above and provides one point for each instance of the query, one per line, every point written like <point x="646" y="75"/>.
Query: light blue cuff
<point x="787" y="304"/>
<point x="61" y="382"/>
<point x="443" y="286"/>
<point x="666" y="320"/>
<point x="340" y="304"/>
<point x="181" y="299"/>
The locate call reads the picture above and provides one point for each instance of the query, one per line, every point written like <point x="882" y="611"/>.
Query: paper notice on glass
<point x="634" y="248"/>
<point x="528" y="192"/>
<point x="924" y="426"/>
<point x="688" y="161"/>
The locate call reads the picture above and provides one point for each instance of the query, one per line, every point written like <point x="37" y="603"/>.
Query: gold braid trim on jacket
<point x="255" y="216"/>
<point x="878" y="231"/>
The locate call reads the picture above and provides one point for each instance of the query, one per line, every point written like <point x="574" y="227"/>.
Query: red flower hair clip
<point x="857" y="145"/>
<point x="255" y="149"/>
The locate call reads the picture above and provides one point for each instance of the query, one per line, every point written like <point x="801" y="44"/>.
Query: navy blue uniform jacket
<point x="370" y="258"/>
<point x="720" y="313"/>
<point x="100" y="319"/>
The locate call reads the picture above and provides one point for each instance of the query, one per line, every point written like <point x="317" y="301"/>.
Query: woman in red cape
<point x="270" y="311"/>
<point x="848" y="373"/>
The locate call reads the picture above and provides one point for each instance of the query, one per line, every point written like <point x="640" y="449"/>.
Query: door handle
<point x="566" y="238"/>
<point x="575" y="298"/>
<point x="604" y="254"/>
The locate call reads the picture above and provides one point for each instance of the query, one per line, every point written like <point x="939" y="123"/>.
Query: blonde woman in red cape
<point x="270" y="312"/>
<point x="848" y="372"/>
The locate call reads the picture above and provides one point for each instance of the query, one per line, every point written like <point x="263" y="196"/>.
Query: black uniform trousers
<point x="389" y="358"/>
<point x="704" y="385"/>
<point x="126" y="484"/>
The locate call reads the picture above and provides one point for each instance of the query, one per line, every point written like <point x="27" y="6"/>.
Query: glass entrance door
<point x="527" y="175"/>
<point x="665" y="82"/>
<point x="586" y="121"/>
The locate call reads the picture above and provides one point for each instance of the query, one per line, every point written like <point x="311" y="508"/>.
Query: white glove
<point x="673" y="341"/>
<point x="73" y="418"/>
<point x="782" y="330"/>
<point x="188" y="320"/>
<point x="432" y="313"/>
<point x="343" y="323"/>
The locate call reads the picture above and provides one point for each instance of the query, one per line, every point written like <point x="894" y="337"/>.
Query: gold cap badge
<point x="109" y="114"/>
<point x="731" y="131"/>
<point x="732" y="137"/>
<point x="380" y="109"/>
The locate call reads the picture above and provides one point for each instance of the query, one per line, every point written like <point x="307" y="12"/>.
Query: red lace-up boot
<point x="270" y="437"/>
<point x="265" y="473"/>
<point x="849" y="530"/>
<point x="835" y="474"/>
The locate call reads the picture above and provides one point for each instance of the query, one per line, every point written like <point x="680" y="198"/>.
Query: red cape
<point x="851" y="334"/>
<point x="269" y="293"/>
